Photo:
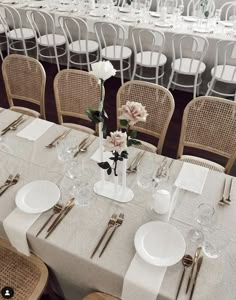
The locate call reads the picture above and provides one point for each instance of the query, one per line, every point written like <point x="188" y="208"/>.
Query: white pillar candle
<point x="101" y="148"/>
<point x="124" y="167"/>
<point x="161" y="201"/>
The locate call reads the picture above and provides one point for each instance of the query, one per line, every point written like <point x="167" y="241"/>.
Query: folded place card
<point x="192" y="178"/>
<point x="34" y="130"/>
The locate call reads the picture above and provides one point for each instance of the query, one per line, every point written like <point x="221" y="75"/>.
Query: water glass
<point x="144" y="177"/>
<point x="66" y="149"/>
<point x="215" y="242"/>
<point x="82" y="192"/>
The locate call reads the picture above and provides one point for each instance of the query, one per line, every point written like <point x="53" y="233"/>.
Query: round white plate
<point x="37" y="196"/>
<point x="190" y="19"/>
<point x="124" y="9"/>
<point x="155" y="14"/>
<point x="202" y="30"/>
<point x="128" y="19"/>
<point x="227" y="23"/>
<point x="159" y="243"/>
<point x="36" y="5"/>
<point x="163" y="25"/>
<point x="96" y="14"/>
<point x="9" y="2"/>
<point x="64" y="9"/>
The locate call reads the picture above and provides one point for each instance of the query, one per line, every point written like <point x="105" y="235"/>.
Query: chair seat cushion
<point x="114" y="52"/>
<point x="145" y="59"/>
<point x="202" y="162"/>
<point x="188" y="66"/>
<point x="80" y="46"/>
<point x="48" y="41"/>
<point x="17" y="34"/>
<point x="79" y="128"/>
<point x="227" y="75"/>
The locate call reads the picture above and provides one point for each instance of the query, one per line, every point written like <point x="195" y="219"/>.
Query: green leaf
<point x="129" y="143"/>
<point x="95" y="115"/>
<point x="124" y="123"/>
<point x="109" y="170"/>
<point x="133" y="134"/>
<point x="120" y="158"/>
<point x="206" y="13"/>
<point x="104" y="165"/>
<point x="124" y="154"/>
<point x="135" y="142"/>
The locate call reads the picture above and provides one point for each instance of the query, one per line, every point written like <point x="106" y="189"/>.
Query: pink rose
<point x="117" y="141"/>
<point x="133" y="112"/>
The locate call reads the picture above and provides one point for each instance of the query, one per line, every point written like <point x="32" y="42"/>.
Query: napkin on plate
<point x="16" y="226"/>
<point x="192" y="178"/>
<point x="35" y="129"/>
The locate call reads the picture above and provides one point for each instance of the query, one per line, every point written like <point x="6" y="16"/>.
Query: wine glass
<point x="204" y="217"/>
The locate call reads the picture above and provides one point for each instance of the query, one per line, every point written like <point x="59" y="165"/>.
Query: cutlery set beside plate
<point x="13" y="125"/>
<point x="10" y="181"/>
<point x="226" y="196"/>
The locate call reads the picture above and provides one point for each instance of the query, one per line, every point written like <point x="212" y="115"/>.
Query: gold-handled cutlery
<point x="68" y="203"/>
<point x="118" y="223"/>
<point x="56" y="210"/>
<point x="227" y="199"/>
<point x="137" y="163"/>
<point x="110" y="224"/>
<point x="11" y="125"/>
<point x="60" y="137"/>
<point x="187" y="261"/>
<point x="85" y="147"/>
<point x="61" y="217"/>
<point x="159" y="170"/>
<point x="133" y="162"/>
<point x="199" y="264"/>
<point x="13" y="182"/>
<point x="226" y="193"/>
<point x="81" y="145"/>
<point x="195" y="259"/>
<point x="8" y="181"/>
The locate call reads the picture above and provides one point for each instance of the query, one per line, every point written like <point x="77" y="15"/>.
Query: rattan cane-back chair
<point x="159" y="104"/>
<point x="24" y="79"/>
<point x="75" y="92"/>
<point x="100" y="296"/>
<point x="27" y="275"/>
<point x="209" y="124"/>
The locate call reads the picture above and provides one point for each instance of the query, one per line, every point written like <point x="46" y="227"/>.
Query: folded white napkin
<point x="192" y="178"/>
<point x="16" y="226"/>
<point x="35" y="129"/>
<point x="143" y="280"/>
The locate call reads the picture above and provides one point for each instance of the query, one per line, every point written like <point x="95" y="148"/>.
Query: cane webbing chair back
<point x="24" y="79"/>
<point x="75" y="92"/>
<point x="100" y="296"/>
<point x="27" y="275"/>
<point x="209" y="124"/>
<point x="159" y="104"/>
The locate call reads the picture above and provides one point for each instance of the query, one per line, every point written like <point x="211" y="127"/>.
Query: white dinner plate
<point x="155" y="14"/>
<point x="128" y="19"/>
<point x="202" y="30"/>
<point x="96" y="13"/>
<point x="190" y="19"/>
<point x="124" y="9"/>
<point x="64" y="9"/>
<point x="37" y="196"/>
<point x="9" y="2"/>
<point x="37" y="5"/>
<point x="163" y="25"/>
<point x="159" y="243"/>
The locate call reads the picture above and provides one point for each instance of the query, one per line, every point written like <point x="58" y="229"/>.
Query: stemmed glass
<point x="204" y="217"/>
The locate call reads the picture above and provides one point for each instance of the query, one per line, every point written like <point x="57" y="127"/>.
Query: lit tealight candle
<point x="161" y="201"/>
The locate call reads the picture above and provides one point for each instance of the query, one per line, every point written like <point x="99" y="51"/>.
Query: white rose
<point x="133" y="112"/>
<point x="117" y="141"/>
<point x="103" y="70"/>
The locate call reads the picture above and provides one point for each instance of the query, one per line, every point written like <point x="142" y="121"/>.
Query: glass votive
<point x="161" y="201"/>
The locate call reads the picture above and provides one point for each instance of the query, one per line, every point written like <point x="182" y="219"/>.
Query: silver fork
<point x="8" y="181"/>
<point x="13" y="182"/>
<point x="118" y="223"/>
<point x="110" y="224"/>
<point x="135" y="168"/>
<point x="133" y="162"/>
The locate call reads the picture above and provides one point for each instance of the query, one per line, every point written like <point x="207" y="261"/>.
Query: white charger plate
<point x="124" y="9"/>
<point x="129" y="19"/>
<point x="95" y="13"/>
<point x="37" y="5"/>
<point x="159" y="243"/>
<point x="155" y="14"/>
<point x="190" y="19"/>
<point x="37" y="196"/>
<point x="202" y="30"/>
<point x="163" y="25"/>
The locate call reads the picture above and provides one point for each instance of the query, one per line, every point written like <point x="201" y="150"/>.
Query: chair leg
<point x="121" y="72"/>
<point x="211" y="85"/>
<point x="129" y="62"/>
<point x="195" y="86"/>
<point x="1" y="54"/>
<point x="88" y="62"/>
<point x="162" y="75"/>
<point x="57" y="60"/>
<point x="157" y="73"/>
<point x="170" y="80"/>
<point x="134" y="70"/>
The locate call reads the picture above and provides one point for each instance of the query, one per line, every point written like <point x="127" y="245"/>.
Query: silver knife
<point x="199" y="264"/>
<point x="196" y="256"/>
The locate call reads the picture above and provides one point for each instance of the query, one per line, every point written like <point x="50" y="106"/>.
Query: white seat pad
<point x="16" y="34"/>
<point x="144" y="59"/>
<point x="109" y="52"/>
<point x="47" y="40"/>
<point x="187" y="67"/>
<point x="227" y="76"/>
<point x="80" y="47"/>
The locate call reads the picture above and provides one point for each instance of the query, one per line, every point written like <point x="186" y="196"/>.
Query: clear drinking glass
<point x="215" y="242"/>
<point x="204" y="217"/>
<point x="66" y="148"/>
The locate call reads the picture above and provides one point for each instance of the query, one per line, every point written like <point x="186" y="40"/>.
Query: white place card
<point x="192" y="178"/>
<point x="35" y="129"/>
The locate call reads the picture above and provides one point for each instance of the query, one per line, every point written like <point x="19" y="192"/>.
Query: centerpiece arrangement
<point x="117" y="142"/>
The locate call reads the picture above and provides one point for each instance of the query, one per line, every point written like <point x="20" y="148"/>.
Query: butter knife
<point x="199" y="264"/>
<point x="62" y="216"/>
<point x="81" y="145"/>
<point x="61" y="213"/>
<point x="196" y="256"/>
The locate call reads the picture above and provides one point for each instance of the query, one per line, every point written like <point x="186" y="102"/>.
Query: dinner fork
<point x="110" y="224"/>
<point x="133" y="162"/>
<point x="58" y="138"/>
<point x="13" y="182"/>
<point x="118" y="223"/>
<point x="9" y="179"/>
